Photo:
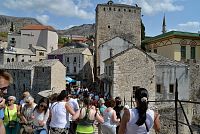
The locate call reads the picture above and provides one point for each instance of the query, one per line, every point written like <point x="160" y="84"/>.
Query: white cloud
<point x="190" y="26"/>
<point x="42" y="18"/>
<point x="67" y="8"/>
<point x="85" y="3"/>
<point x="150" y="7"/>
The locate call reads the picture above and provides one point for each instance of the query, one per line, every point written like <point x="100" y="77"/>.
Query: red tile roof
<point x="38" y="27"/>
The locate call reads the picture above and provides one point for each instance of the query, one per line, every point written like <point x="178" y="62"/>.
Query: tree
<point x="142" y="36"/>
<point x="12" y="27"/>
<point x="142" y="31"/>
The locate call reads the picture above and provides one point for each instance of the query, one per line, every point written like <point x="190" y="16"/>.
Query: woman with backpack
<point x="86" y="117"/>
<point x="139" y="120"/>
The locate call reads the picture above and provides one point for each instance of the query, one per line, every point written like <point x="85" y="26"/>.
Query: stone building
<point x="133" y="68"/>
<point x="167" y="71"/>
<point x="128" y="70"/>
<point x="78" y="62"/>
<point x="12" y="54"/>
<point x="117" y="20"/>
<point x="36" y="77"/>
<point x="111" y="48"/>
<point x="35" y="35"/>
<point x="175" y="45"/>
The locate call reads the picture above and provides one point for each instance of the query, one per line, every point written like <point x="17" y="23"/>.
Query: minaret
<point x="164" y="25"/>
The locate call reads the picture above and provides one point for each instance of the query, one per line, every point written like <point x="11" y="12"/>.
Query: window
<point x="67" y="59"/>
<point x="41" y="54"/>
<point x="22" y="60"/>
<point x="119" y="10"/>
<point x="42" y="69"/>
<point x="8" y="60"/>
<point x="158" y="88"/>
<point x="110" y="8"/>
<point x="114" y="9"/>
<point x="108" y="26"/>
<point x="120" y="22"/>
<point x="74" y="69"/>
<point x="104" y="9"/>
<point x="13" y="74"/>
<point x="109" y="71"/>
<point x="106" y="70"/>
<point x="40" y="60"/>
<point x="129" y="10"/>
<point x="74" y="59"/>
<point x="171" y="88"/>
<point x="124" y="10"/>
<point x="193" y="49"/>
<point x="24" y="75"/>
<point x="134" y="11"/>
<point x="13" y="60"/>
<point x="155" y="51"/>
<point x="30" y="61"/>
<point x="67" y="69"/>
<point x="183" y="52"/>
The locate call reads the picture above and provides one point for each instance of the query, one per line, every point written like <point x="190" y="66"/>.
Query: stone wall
<point x="195" y="92"/>
<point x="133" y="68"/>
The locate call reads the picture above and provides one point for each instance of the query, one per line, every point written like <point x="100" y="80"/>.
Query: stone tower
<point x="117" y="20"/>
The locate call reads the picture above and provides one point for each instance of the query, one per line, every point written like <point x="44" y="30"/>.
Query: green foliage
<point x="4" y="34"/>
<point x="63" y="40"/>
<point x="142" y="35"/>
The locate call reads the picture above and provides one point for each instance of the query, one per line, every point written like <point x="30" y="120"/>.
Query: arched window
<point x="13" y="60"/>
<point x="8" y="60"/>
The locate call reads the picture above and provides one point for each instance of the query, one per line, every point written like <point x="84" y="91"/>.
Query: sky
<point x="181" y="15"/>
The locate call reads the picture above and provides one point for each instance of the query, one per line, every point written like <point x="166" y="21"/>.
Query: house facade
<point x="175" y="45"/>
<point x="78" y="62"/>
<point x="36" y="77"/>
<point x="35" y="35"/>
<point x="111" y="48"/>
<point x="12" y="54"/>
<point x="127" y="71"/>
<point x="167" y="72"/>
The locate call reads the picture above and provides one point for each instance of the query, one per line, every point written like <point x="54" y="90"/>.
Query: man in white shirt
<point x="75" y="106"/>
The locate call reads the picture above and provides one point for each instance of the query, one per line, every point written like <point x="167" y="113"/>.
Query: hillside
<point x="5" y="22"/>
<point x="19" y="22"/>
<point x="84" y="30"/>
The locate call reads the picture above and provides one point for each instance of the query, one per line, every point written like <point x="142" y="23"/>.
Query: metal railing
<point x="176" y="101"/>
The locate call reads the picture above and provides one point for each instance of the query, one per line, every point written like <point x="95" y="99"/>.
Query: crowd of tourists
<point x="73" y="113"/>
